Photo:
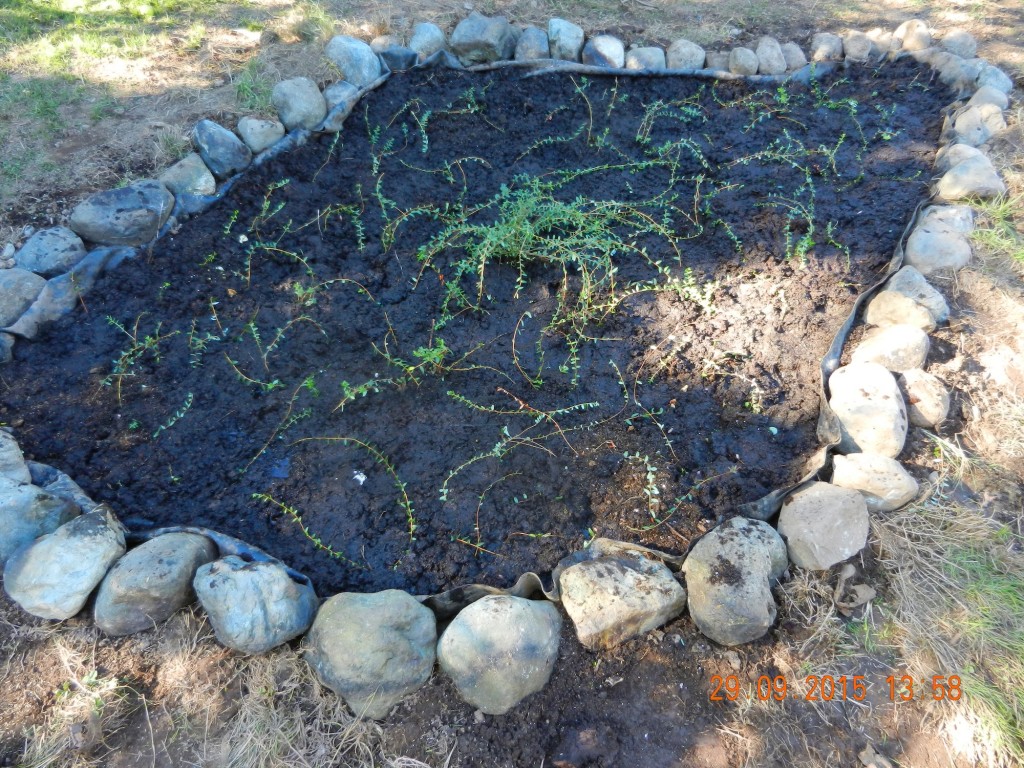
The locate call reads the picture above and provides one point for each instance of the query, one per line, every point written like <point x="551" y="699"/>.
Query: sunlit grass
<point x="999" y="223"/>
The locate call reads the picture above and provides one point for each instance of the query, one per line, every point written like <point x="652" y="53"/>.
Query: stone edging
<point x="59" y="546"/>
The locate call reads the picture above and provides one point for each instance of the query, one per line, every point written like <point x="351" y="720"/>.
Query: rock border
<point x="58" y="546"/>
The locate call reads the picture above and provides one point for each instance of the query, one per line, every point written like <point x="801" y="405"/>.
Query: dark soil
<point x="524" y="418"/>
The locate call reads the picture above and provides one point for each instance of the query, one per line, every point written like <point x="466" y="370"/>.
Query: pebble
<point x="976" y="125"/>
<point x="952" y="155"/>
<point x="993" y="77"/>
<point x="13" y="468"/>
<point x="882" y="481"/>
<point x="823" y="524"/>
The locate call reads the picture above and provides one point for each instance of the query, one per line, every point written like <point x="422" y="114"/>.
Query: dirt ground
<point x="172" y="697"/>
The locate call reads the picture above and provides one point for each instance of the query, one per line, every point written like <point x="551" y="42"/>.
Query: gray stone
<point x="993" y="77"/>
<point x="222" y="151"/>
<point x="927" y="398"/>
<point x="254" y="606"/>
<point x="912" y="284"/>
<point x="382" y="42"/>
<point x="51" y="251"/>
<point x="130" y="215"/>
<point x="794" y="56"/>
<point x="28" y="512"/>
<point x="960" y="42"/>
<point x="857" y="47"/>
<point x="613" y="598"/>
<point x="53" y="577"/>
<point x="56" y="483"/>
<point x="299" y="103"/>
<point x="897" y="347"/>
<point x="61" y="294"/>
<point x="952" y="155"/>
<point x="645" y="58"/>
<point x="341" y="99"/>
<point x="259" y="134"/>
<point x="427" y="39"/>
<point x="373" y="650"/>
<point x="499" y="650"/>
<point x="729" y="575"/>
<point x="189" y="176"/>
<point x="481" y="39"/>
<point x="13" y="469"/>
<point x="399" y="58"/>
<point x="354" y="59"/>
<point x="889" y="308"/>
<point x="934" y="248"/>
<point x="882" y="481"/>
<point x="826" y="47"/>
<point x="743" y="61"/>
<point x="151" y="582"/>
<point x="717" y="61"/>
<point x="976" y="125"/>
<point x="18" y="289"/>
<point x="770" y="60"/>
<point x="954" y="218"/>
<point x="605" y="51"/>
<point x="533" y="44"/>
<point x="912" y="35"/>
<point x="565" y="39"/>
<point x="973" y="177"/>
<point x="989" y="95"/>
<point x="823" y="525"/>
<point x="6" y="348"/>
<point x="882" y="41"/>
<point x="869" y="406"/>
<point x="683" y="54"/>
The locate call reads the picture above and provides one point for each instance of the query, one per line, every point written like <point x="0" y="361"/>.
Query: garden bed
<point x="490" y="319"/>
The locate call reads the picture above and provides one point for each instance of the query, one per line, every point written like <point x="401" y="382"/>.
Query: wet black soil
<point x="492" y="318"/>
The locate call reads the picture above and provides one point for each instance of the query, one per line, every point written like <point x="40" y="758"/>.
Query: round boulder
<point x="604" y="51"/>
<point x="51" y="252"/>
<point x="130" y="215"/>
<point x="373" y="650"/>
<point x="898" y="347"/>
<point x="28" y="512"/>
<point x="743" y="61"/>
<point x="823" y="524"/>
<point x="883" y="482"/>
<point x="259" y="134"/>
<point x="565" y="39"/>
<point x="222" y="151"/>
<point x="869" y="406"/>
<point x="18" y="289"/>
<point x="299" y="103"/>
<point x="927" y="398"/>
<point x="480" y="39"/>
<point x="499" y="650"/>
<point x="683" y="54"/>
<point x="533" y="44"/>
<point x="254" y="606"/>
<point x="53" y="577"/>
<point x="151" y="582"/>
<point x="646" y="58"/>
<point x="729" y="576"/>
<point x="189" y="176"/>
<point x="354" y="59"/>
<point x="427" y="39"/>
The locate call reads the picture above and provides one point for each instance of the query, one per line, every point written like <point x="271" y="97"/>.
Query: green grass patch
<point x="998" y="230"/>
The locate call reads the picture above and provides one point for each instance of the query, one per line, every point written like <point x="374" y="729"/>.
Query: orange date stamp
<point x="834" y="688"/>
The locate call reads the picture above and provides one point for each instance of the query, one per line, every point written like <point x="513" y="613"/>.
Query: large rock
<point x="883" y="482"/>
<point x="614" y="598"/>
<point x="604" y="51"/>
<point x="57" y="483"/>
<point x="912" y="35"/>
<point x="50" y="252"/>
<point x="28" y="512"/>
<point x="743" y="61"/>
<point x="770" y="60"/>
<point x="893" y="308"/>
<point x="857" y="47"/>
<point x="299" y="103"/>
<point x="499" y="650"/>
<point x="151" y="582"/>
<point x="533" y="44"/>
<point x="222" y="151"/>
<point x="794" y="56"/>
<point x="717" y="61"/>
<point x="960" y="42"/>
<point x="935" y="247"/>
<point x="989" y="95"/>
<point x="870" y="409"/>
<point x="6" y="348"/>
<point x="897" y="347"/>
<point x="354" y="59"/>
<point x="651" y="57"/>
<point x="18" y="289"/>
<point x="927" y="398"/>
<point x="189" y="176"/>
<point x="975" y="125"/>
<point x="955" y="218"/>
<point x="481" y="39"/>
<point x="254" y="606"/>
<point x="683" y="54"/>
<point x="13" y="469"/>
<point x="341" y="98"/>
<point x="427" y="39"/>
<point x="53" y="577"/>
<point x="823" y="525"/>
<point x="953" y="154"/>
<point x="993" y="77"/>
<point x="130" y="215"/>
<point x="729" y="575"/>
<point x="373" y="650"/>
<point x="259" y="134"/>
<point x="973" y="177"/>
<point x="565" y="39"/>
<point x="826" y="47"/>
